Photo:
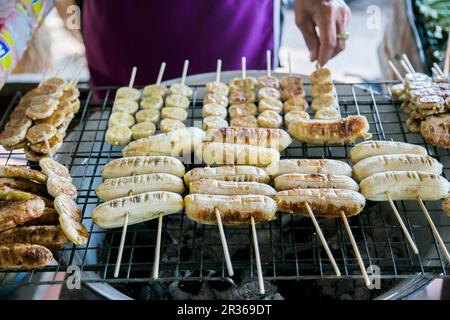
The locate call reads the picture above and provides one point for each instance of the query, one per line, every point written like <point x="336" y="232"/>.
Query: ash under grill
<point x="290" y="249"/>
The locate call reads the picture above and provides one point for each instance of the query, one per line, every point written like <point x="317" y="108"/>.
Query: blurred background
<point x="379" y="30"/>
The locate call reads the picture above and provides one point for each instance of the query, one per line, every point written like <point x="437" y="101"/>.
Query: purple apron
<point x="120" y="34"/>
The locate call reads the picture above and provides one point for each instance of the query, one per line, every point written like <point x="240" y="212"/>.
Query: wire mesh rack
<point x="290" y="249"/>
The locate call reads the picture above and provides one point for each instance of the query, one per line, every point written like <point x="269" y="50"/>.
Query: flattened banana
<point x="404" y="185"/>
<point x="234" y="210"/>
<point x="211" y="186"/>
<point x="126" y="167"/>
<point x="120" y="187"/>
<point x="324" y="166"/>
<point x="314" y="181"/>
<point x="228" y="173"/>
<point x="396" y="162"/>
<point x="141" y="207"/>
<point x="325" y="203"/>
<point x="377" y="148"/>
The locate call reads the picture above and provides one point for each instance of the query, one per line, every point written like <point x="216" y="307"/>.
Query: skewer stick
<point x="44" y="75"/>
<point x="226" y="253"/>
<point x="402" y="224"/>
<point x="218" y="70"/>
<point x="269" y="63"/>
<point x="262" y="290"/>
<point x="447" y="59"/>
<point x="76" y="76"/>
<point x="438" y="69"/>
<point x="408" y="63"/>
<point x="184" y="74"/>
<point x="433" y="228"/>
<point x="64" y="67"/>
<point x="355" y="248"/>
<point x="323" y="240"/>
<point x="405" y="66"/>
<point x="122" y="243"/>
<point x="394" y="68"/>
<point x="158" y="248"/>
<point x="244" y="67"/>
<point x="435" y="72"/>
<point x="289" y="64"/>
<point x="47" y="145"/>
<point x="161" y="73"/>
<point x="133" y="77"/>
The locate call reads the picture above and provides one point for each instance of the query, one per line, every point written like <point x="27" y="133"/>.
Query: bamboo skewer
<point x="405" y="66"/>
<point x="158" y="247"/>
<point x="440" y="72"/>
<point x="289" y="64"/>
<point x="408" y="63"/>
<point x="244" y="67"/>
<point x="447" y="59"/>
<point x="121" y="245"/>
<point x="161" y="73"/>
<point x="269" y="63"/>
<point x="402" y="224"/>
<point x="396" y="71"/>
<point x="184" y="74"/>
<point x="435" y="72"/>
<point x="44" y="76"/>
<point x="355" y="248"/>
<point x="76" y="76"/>
<point x="122" y="242"/>
<point x="133" y="77"/>
<point x="434" y="229"/>
<point x="323" y="240"/>
<point x="47" y="145"/>
<point x="226" y="252"/>
<point x="218" y="70"/>
<point x="262" y="290"/>
<point x="64" y="67"/>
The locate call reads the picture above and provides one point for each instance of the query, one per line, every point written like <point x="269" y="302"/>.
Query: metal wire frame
<point x="289" y="247"/>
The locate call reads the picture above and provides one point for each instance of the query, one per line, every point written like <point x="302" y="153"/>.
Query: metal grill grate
<point x="289" y="247"/>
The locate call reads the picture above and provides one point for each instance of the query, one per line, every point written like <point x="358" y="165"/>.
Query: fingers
<point x="312" y="40"/>
<point x="342" y="22"/>
<point x="340" y="29"/>
<point x="327" y="27"/>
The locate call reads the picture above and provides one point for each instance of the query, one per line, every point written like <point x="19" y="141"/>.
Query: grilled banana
<point x="174" y="143"/>
<point x="120" y="187"/>
<point x="314" y="181"/>
<point x="121" y="119"/>
<point x="141" y="207"/>
<point x="24" y="257"/>
<point x="234" y="210"/>
<point x="125" y="167"/>
<point x="211" y="186"/>
<point x="324" y="166"/>
<point x="325" y="203"/>
<point x="396" y="162"/>
<point x="377" y="148"/>
<point x="263" y="137"/>
<point x="47" y="236"/>
<point x="216" y="153"/>
<point x="228" y="173"/>
<point x="404" y="185"/>
<point x="22" y="172"/>
<point x="118" y="135"/>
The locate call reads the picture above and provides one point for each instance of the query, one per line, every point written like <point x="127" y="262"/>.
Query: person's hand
<point x="331" y="17"/>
